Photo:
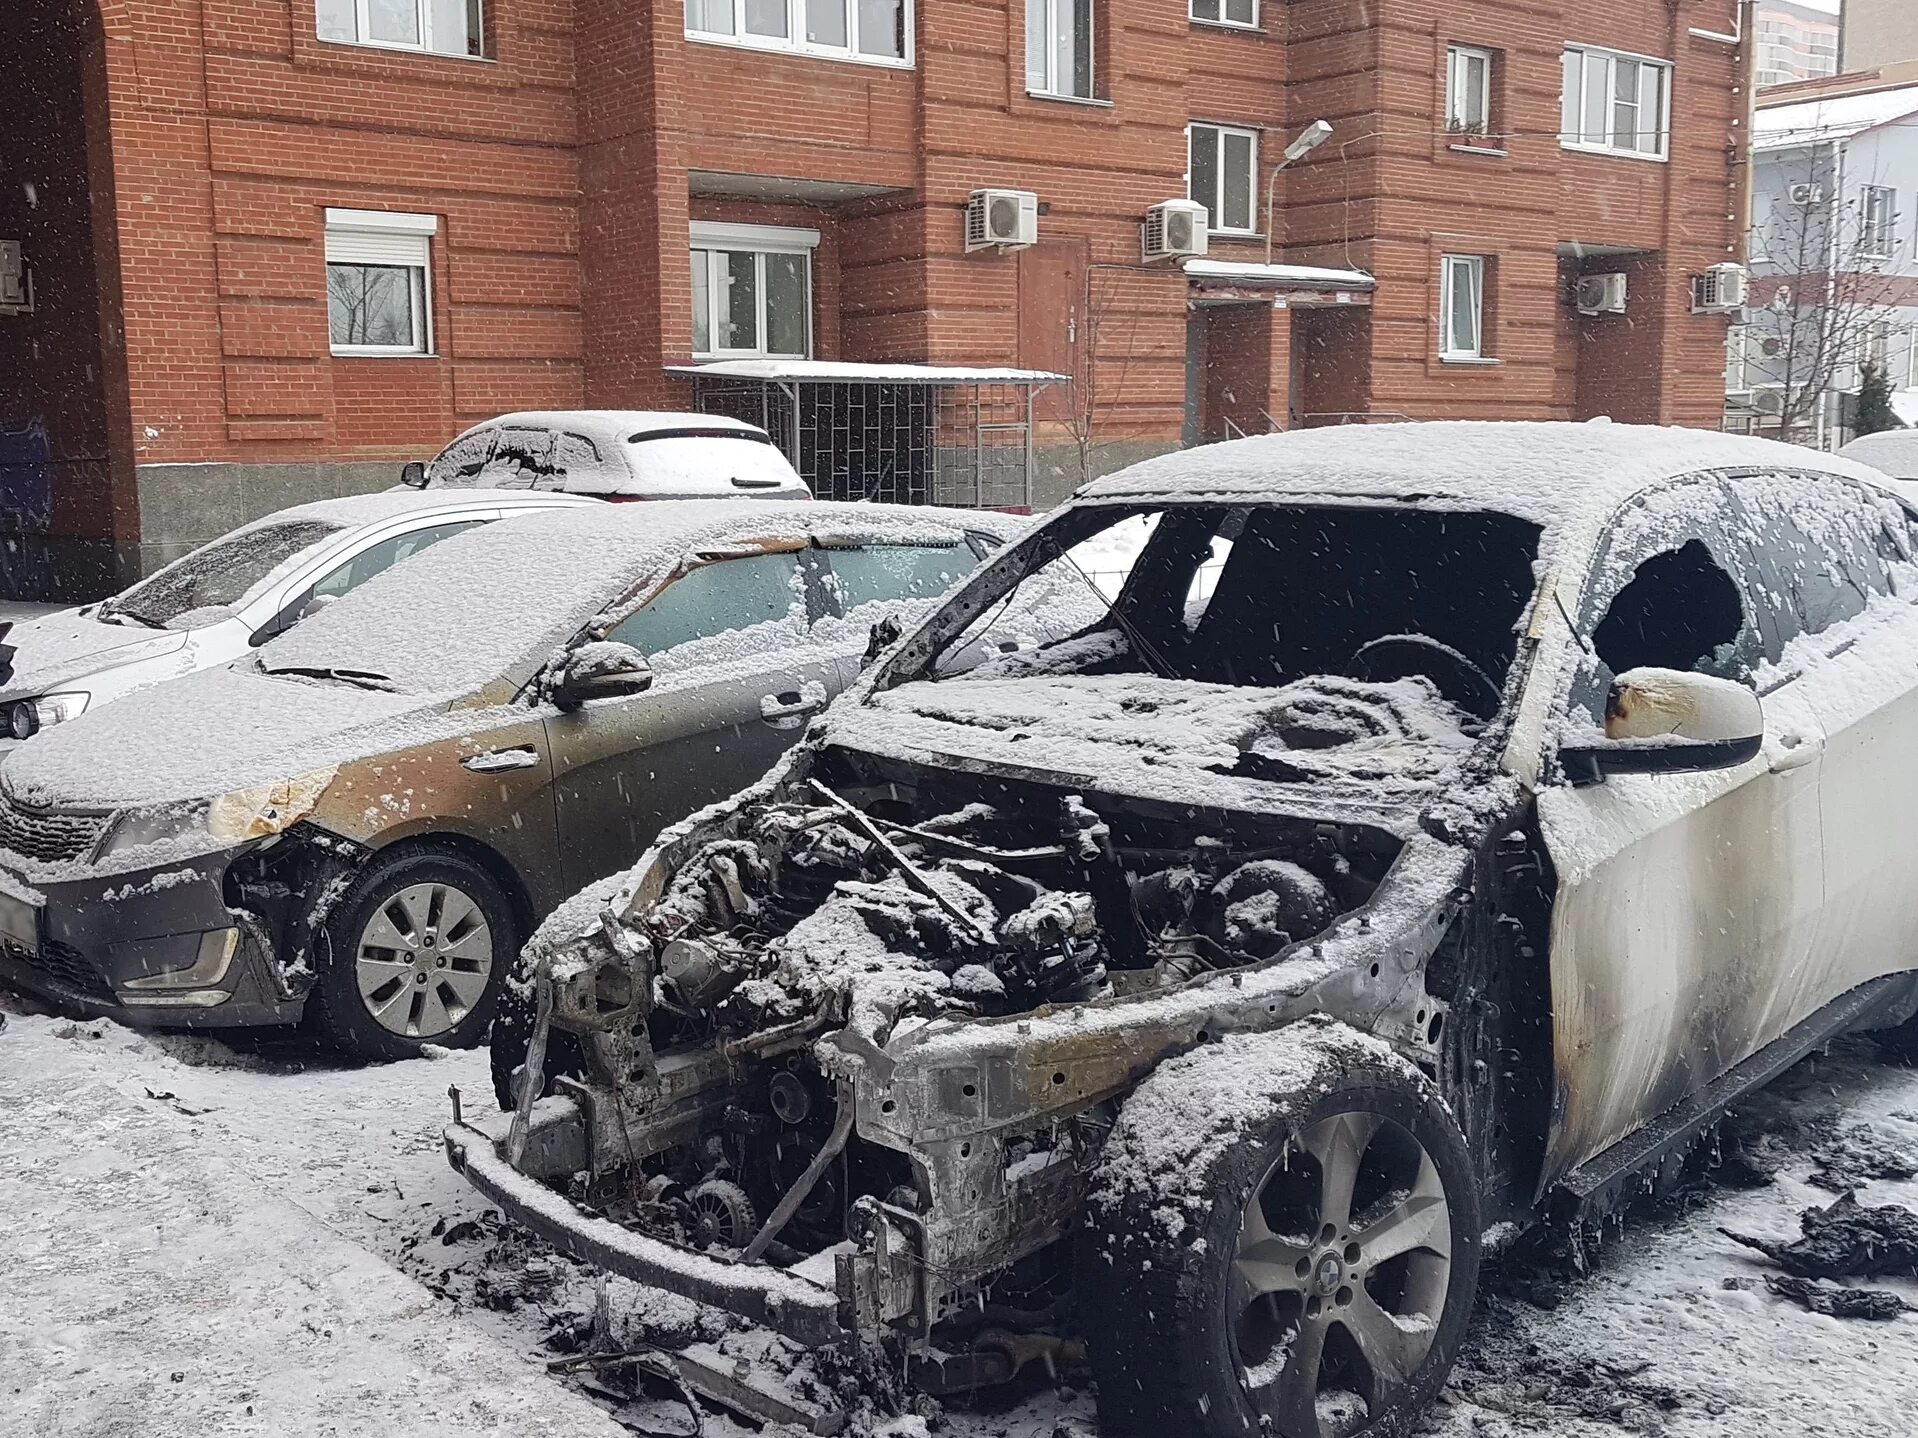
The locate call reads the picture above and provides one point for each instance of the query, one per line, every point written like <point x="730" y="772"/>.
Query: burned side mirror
<point x="604" y="669"/>
<point x="413" y="474"/>
<point x="1667" y="721"/>
<point x="881" y="637"/>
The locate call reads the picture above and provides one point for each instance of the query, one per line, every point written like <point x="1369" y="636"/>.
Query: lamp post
<point x="1309" y="139"/>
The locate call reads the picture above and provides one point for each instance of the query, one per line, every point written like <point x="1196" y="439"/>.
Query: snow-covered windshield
<point x="194" y="590"/>
<point x="1262" y="595"/>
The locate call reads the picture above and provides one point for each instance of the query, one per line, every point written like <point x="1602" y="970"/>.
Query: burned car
<point x="357" y="826"/>
<point x="1434" y="829"/>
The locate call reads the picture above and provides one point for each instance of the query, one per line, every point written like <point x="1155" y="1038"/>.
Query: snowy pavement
<point x="203" y="1239"/>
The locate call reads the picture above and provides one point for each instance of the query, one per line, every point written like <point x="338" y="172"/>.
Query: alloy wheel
<point x="1340" y="1277"/>
<point x="423" y="960"/>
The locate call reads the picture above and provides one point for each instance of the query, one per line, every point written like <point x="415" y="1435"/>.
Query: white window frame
<point x="387" y="238"/>
<point x="1045" y="80"/>
<point x="794" y="41"/>
<point x="1654" y="76"/>
<point x="1215" y="204"/>
<point x="363" y="25"/>
<point x="1877" y="232"/>
<point x="1459" y="89"/>
<point x="1451" y="268"/>
<point x="712" y="238"/>
<point x="1221" y="19"/>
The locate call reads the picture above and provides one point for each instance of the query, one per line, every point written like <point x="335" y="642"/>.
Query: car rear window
<point x="216" y="575"/>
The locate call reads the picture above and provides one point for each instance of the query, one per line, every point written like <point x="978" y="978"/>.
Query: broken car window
<point x="1680" y="611"/>
<point x="219" y="574"/>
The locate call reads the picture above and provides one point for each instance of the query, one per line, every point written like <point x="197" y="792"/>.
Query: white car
<point x="227" y="597"/>
<point x="616" y="455"/>
<point x="1895" y="451"/>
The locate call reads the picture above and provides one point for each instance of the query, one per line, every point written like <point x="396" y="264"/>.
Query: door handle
<point x="494" y="761"/>
<point x="784" y="711"/>
<point x="1795" y="750"/>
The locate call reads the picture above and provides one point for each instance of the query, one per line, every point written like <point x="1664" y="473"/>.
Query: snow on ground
<point x="204" y="1238"/>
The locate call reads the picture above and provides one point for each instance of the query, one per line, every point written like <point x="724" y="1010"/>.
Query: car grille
<point x="65" y="966"/>
<point x="45" y="835"/>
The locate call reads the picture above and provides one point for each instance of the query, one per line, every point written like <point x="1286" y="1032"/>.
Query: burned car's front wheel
<point x="1283" y="1239"/>
<point x="414" y="953"/>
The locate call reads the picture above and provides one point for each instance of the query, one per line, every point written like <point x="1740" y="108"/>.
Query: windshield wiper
<point x="107" y="614"/>
<point x="358" y="678"/>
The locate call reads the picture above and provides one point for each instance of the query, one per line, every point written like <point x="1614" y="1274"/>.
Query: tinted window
<point x="378" y="558"/>
<point x="218" y="574"/>
<point x="462" y="460"/>
<point x="896" y="571"/>
<point x="714" y="599"/>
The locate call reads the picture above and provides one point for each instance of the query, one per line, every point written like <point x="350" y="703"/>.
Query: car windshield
<point x="1262" y="596"/>
<point x="462" y="614"/>
<point x="193" y="590"/>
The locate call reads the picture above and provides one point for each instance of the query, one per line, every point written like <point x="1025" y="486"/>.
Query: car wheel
<point x="416" y="952"/>
<point x="1319" y="1279"/>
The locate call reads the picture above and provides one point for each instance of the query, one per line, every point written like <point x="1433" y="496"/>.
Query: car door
<point x="735" y="676"/>
<point x="1681" y="899"/>
<point x="1844" y="575"/>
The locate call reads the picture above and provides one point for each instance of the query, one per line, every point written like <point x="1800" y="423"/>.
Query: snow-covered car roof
<point x="622" y="424"/>
<point x="357" y="509"/>
<point x="1895" y="451"/>
<point x="1552" y="474"/>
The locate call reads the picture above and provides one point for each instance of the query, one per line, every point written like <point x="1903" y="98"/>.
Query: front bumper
<point x="770" y="1297"/>
<point x="95" y="935"/>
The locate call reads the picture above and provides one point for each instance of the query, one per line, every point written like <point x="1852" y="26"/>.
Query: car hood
<point x="59" y="649"/>
<point x="212" y="732"/>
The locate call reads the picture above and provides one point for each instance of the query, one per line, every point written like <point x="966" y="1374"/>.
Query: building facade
<point x="1795" y="42"/>
<point x="277" y="247"/>
<point x="1879" y="32"/>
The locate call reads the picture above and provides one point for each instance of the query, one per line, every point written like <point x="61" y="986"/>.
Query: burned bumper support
<point x="785" y="1303"/>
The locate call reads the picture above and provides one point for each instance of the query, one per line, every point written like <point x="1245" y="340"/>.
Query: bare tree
<point x="1820" y="298"/>
<point x="1107" y="332"/>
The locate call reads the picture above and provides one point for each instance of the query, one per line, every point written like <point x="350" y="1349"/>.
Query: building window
<point x="752" y="291"/>
<point x="1468" y="90"/>
<point x="1242" y="13"/>
<point x="379" y="290"/>
<point x="1878" y="227"/>
<point x="874" y="31"/>
<point x="445" y="27"/>
<point x="1059" y="48"/>
<point x="1222" y="168"/>
<point x="1616" y="104"/>
<point x="1462" y="307"/>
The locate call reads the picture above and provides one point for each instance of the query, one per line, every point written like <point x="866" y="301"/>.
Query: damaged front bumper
<point x="773" y="1298"/>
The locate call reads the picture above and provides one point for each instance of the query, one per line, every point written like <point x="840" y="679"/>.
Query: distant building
<point x="1879" y="32"/>
<point x="1796" y="42"/>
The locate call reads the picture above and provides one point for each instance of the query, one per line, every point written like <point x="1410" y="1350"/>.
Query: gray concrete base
<point x="1058" y="469"/>
<point x="182" y="506"/>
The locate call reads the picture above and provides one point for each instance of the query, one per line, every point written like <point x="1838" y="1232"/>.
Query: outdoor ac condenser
<point x="1601" y="294"/>
<point x="1721" y="290"/>
<point x="1173" y="229"/>
<point x="1001" y="220"/>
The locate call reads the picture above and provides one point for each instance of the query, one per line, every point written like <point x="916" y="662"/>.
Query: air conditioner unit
<point x="1721" y="290"/>
<point x="16" y="285"/>
<point x="1173" y="229"/>
<point x="1001" y="220"/>
<point x="1806" y="194"/>
<point x="1768" y="401"/>
<point x="1601" y="294"/>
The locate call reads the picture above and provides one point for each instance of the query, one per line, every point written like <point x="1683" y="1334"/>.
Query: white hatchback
<point x="227" y="597"/>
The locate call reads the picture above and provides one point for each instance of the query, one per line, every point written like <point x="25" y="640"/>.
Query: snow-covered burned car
<point x="359" y="825"/>
<point x="1438" y="828"/>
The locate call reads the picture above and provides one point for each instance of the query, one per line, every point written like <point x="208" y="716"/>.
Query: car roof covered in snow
<point x="354" y="510"/>
<point x="620" y="425"/>
<point x="1551" y="474"/>
<point x="1895" y="451"/>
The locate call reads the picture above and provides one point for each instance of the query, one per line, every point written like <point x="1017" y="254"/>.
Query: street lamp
<point x="1310" y="138"/>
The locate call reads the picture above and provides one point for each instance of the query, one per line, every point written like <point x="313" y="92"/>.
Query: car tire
<point x="1198" y="1273"/>
<point x="416" y="952"/>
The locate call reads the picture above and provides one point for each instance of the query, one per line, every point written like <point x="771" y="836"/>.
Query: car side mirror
<point x="413" y="474"/>
<point x="601" y="670"/>
<point x="1667" y="721"/>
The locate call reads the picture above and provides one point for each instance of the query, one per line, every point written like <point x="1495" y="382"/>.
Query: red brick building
<point x="276" y="247"/>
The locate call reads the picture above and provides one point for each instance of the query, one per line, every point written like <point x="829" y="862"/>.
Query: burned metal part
<point x="905" y="867"/>
<point x="698" y="975"/>
<point x="720" y="1214"/>
<point x="1878" y="1305"/>
<point x="1845" y="1240"/>
<point x="796" y="1195"/>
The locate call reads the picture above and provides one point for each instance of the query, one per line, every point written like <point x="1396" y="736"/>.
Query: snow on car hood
<point x="58" y="649"/>
<point x="209" y="733"/>
<point x="1176" y="740"/>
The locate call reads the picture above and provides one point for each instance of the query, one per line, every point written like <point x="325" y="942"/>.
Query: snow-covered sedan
<point x="359" y="824"/>
<point x="227" y="597"/>
<point x="1436" y="828"/>
<point x="616" y="455"/>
